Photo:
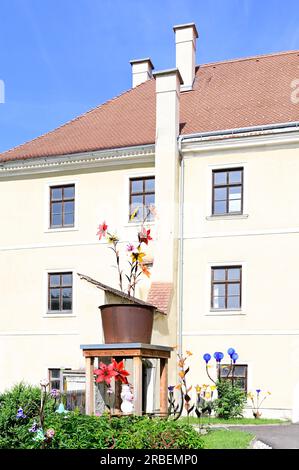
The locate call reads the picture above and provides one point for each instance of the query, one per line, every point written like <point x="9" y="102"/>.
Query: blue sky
<point x="59" y="58"/>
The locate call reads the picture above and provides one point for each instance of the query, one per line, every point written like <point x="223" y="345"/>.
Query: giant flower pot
<point x="127" y="323"/>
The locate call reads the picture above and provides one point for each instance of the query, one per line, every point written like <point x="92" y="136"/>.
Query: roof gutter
<point x="293" y="126"/>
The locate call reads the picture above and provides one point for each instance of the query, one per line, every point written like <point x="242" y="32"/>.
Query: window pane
<point x="54" y="280"/>
<point x="67" y="279"/>
<point x="150" y="200"/>
<point x="220" y="194"/>
<point x="235" y="192"/>
<point x="55" y="373"/>
<point x="54" y="304"/>
<point x="240" y="383"/>
<point x="239" y="371"/>
<point x="219" y="274"/>
<point x="54" y="293"/>
<point x="233" y="289"/>
<point x="219" y="207"/>
<point x="56" y="193"/>
<point x="234" y="206"/>
<point x="219" y="290"/>
<point x="67" y="299"/>
<point x="220" y="177"/>
<point x="56" y="208"/>
<point x="224" y="371"/>
<point x="69" y="219"/>
<point x="233" y="302"/>
<point x="235" y="177"/>
<point x="233" y="274"/>
<point x="137" y="186"/>
<point x="56" y="220"/>
<point x="68" y="207"/>
<point x="150" y="185"/>
<point x="219" y="302"/>
<point x="137" y="203"/>
<point x="69" y="192"/>
<point x="55" y="384"/>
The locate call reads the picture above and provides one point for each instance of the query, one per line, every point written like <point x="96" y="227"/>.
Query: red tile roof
<point x="226" y="95"/>
<point x="160" y="295"/>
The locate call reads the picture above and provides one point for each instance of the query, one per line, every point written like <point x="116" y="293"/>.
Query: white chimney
<point x="142" y="70"/>
<point x="185" y="42"/>
<point x="167" y="172"/>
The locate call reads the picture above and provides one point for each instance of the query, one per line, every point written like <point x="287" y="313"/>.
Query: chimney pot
<point x="142" y="70"/>
<point x="185" y="41"/>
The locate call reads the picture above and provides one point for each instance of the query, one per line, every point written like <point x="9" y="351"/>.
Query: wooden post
<point x="164" y="387"/>
<point x="137" y="372"/>
<point x="89" y="385"/>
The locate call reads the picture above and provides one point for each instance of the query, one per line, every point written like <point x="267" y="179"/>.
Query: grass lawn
<point x="224" y="439"/>
<point x="241" y="421"/>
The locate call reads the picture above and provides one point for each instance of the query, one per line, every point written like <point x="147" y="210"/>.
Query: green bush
<point x="76" y="431"/>
<point x="230" y="402"/>
<point x="14" y="432"/>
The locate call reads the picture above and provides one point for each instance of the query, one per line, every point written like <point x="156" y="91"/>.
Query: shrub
<point x="14" y="432"/>
<point x="230" y="402"/>
<point x="76" y="431"/>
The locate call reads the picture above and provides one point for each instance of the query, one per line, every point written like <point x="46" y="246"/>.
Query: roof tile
<point x="226" y="95"/>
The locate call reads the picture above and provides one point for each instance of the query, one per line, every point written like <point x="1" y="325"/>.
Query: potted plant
<point x="130" y="322"/>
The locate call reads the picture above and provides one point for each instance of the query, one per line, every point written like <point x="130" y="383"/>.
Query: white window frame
<point x="57" y="182"/>
<point x="209" y="176"/>
<point x="46" y="313"/>
<point x="135" y="174"/>
<point x="225" y="312"/>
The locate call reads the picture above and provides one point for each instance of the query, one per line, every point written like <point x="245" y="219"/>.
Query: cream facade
<point x="263" y="240"/>
<point x="189" y="241"/>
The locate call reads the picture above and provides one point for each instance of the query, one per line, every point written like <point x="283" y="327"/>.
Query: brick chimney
<point x="185" y="42"/>
<point x="142" y="70"/>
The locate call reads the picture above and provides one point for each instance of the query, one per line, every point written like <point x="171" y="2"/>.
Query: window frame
<point x="142" y="193"/>
<point x="226" y="186"/>
<point x="59" y="312"/>
<point x="226" y="282"/>
<point x="62" y="201"/>
<point x="58" y="379"/>
<point x="46" y="204"/>
<point x="234" y="379"/>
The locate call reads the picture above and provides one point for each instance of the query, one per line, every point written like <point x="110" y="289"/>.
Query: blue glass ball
<point x="218" y="356"/>
<point x="235" y="356"/>
<point x="230" y="351"/>
<point x="207" y="357"/>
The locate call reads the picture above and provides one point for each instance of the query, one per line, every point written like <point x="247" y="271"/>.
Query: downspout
<point x="181" y="247"/>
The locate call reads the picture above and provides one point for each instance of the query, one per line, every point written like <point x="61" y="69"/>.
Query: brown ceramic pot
<point x="127" y="323"/>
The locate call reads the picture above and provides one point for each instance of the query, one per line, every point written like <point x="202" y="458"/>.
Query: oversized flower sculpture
<point x="105" y="373"/>
<point x="135" y="252"/>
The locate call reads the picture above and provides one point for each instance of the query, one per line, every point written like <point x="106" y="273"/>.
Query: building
<point x="215" y="147"/>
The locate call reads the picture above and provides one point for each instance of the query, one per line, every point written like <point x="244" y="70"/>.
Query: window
<point x="236" y="374"/>
<point x="142" y="198"/>
<point x="227" y="191"/>
<point x="55" y="379"/>
<point x="60" y="292"/>
<point x="62" y="206"/>
<point x="226" y="288"/>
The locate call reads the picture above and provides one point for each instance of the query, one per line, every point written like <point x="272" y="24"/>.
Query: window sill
<point x="227" y="217"/>
<point x="63" y="229"/>
<point x="59" y="315"/>
<point x="138" y="224"/>
<point x="223" y="312"/>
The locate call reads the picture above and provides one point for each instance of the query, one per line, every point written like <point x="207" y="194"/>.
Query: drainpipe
<point x="181" y="246"/>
